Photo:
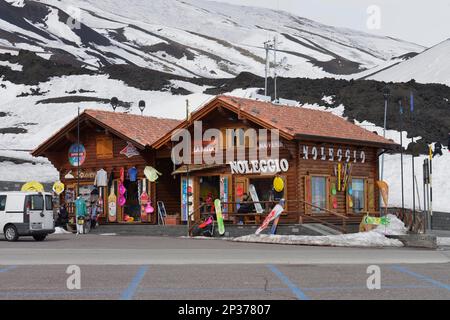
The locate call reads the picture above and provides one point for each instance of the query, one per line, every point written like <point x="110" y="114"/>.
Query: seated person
<point x="245" y="207"/>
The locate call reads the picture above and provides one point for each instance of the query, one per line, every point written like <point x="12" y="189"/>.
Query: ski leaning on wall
<point x="273" y="215"/>
<point x="255" y="199"/>
<point x="219" y="216"/>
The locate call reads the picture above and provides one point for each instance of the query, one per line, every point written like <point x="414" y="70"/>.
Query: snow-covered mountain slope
<point x="189" y="37"/>
<point x="430" y="66"/>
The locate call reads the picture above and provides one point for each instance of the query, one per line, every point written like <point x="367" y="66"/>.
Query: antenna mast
<point x="267" y="46"/>
<point x="275" y="39"/>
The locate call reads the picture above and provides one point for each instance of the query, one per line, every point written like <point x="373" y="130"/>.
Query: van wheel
<point x="39" y="237"/>
<point x="11" y="233"/>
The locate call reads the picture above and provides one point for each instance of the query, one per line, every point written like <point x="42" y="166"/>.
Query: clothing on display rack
<point x="101" y="178"/>
<point x="132" y="174"/>
<point x="151" y="173"/>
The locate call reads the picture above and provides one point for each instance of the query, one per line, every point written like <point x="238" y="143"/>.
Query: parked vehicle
<point x="26" y="214"/>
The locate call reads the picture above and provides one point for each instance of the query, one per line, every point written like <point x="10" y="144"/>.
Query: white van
<point x="26" y="214"/>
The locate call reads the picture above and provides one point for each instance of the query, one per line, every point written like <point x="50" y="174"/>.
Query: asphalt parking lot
<point x="229" y="282"/>
<point x="176" y="268"/>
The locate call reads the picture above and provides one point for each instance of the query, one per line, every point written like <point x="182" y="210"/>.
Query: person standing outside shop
<point x="81" y="212"/>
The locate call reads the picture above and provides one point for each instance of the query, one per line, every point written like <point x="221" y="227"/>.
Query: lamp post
<point x="142" y="106"/>
<point x="114" y="103"/>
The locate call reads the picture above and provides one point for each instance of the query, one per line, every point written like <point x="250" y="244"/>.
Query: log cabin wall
<point x="113" y="163"/>
<point x="168" y="186"/>
<point x="367" y="170"/>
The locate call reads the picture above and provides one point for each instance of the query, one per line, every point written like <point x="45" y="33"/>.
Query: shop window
<point x="104" y="147"/>
<point x="265" y="191"/>
<point x="209" y="191"/>
<point x="319" y="194"/>
<point x="358" y="195"/>
<point x="237" y="137"/>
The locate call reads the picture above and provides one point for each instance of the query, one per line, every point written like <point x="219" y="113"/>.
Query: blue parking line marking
<point x="299" y="294"/>
<point x="419" y="276"/>
<point x="129" y="292"/>
<point x="9" y="268"/>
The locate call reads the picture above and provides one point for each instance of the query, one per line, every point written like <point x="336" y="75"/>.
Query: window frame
<point x="102" y="150"/>
<point x="47" y="197"/>
<point x="364" y="196"/>
<point x="326" y="196"/>
<point x="31" y="202"/>
<point x="272" y="177"/>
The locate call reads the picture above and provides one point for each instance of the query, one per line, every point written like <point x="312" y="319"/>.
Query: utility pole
<point x="413" y="164"/>
<point x="401" y="154"/>
<point x="275" y="66"/>
<point x="188" y="116"/>
<point x="431" y="183"/>
<point x="267" y="46"/>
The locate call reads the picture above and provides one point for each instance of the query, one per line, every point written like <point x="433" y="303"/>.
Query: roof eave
<point x="40" y="150"/>
<point x="210" y="106"/>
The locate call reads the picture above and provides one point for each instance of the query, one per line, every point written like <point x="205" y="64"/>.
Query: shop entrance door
<point x="208" y="192"/>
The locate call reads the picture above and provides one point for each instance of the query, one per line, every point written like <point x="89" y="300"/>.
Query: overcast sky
<point x="426" y="22"/>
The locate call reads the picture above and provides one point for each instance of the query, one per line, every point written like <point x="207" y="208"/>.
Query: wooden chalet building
<point x="114" y="142"/>
<point x="312" y="146"/>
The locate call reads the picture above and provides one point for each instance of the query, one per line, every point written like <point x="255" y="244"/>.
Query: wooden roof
<point x="292" y="122"/>
<point x="142" y="131"/>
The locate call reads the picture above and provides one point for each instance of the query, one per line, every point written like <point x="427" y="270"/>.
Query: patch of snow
<point x="443" y="241"/>
<point x="374" y="238"/>
<point x="430" y="66"/>
<point x="224" y="38"/>
<point x="441" y="180"/>
<point x="26" y="172"/>
<point x="328" y="99"/>
<point x="59" y="230"/>
<point x="60" y="29"/>
<point x="338" y="111"/>
<point x="12" y="66"/>
<point x="16" y="3"/>
<point x="363" y="239"/>
<point x="189" y="86"/>
<point x="395" y="227"/>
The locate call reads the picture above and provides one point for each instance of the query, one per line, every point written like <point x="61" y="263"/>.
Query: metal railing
<point x="315" y="218"/>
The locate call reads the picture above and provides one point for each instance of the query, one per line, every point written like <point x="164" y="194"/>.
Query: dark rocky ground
<point x="363" y="99"/>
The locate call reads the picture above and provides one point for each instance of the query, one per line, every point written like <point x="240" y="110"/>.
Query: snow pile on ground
<point x="395" y="227"/>
<point x="374" y="238"/>
<point x="443" y="241"/>
<point x="363" y="239"/>
<point x="59" y="230"/>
